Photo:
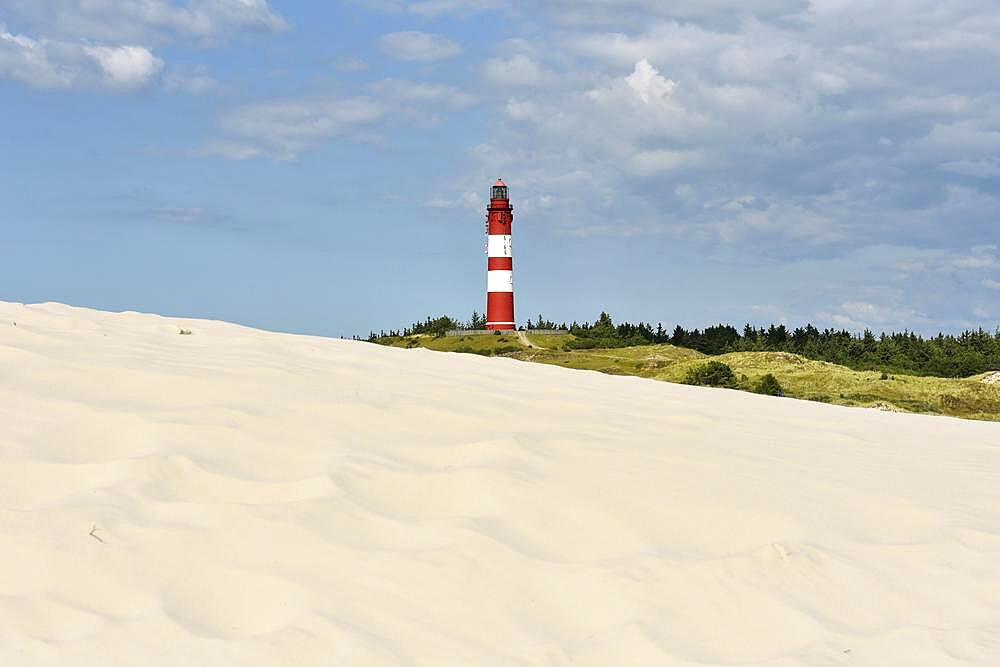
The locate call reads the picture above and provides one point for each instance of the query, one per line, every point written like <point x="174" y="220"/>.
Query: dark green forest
<point x="968" y="353"/>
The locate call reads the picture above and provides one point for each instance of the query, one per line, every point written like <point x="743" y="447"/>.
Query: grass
<point x="802" y="378"/>
<point x="552" y="342"/>
<point x="486" y="345"/>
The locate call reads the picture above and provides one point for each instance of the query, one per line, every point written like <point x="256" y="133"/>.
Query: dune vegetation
<point x="801" y="378"/>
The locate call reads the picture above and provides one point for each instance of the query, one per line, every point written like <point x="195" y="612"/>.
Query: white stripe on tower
<point x="498" y="246"/>
<point x="499" y="281"/>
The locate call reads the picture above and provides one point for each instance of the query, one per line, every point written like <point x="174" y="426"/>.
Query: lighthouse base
<point x="500" y="311"/>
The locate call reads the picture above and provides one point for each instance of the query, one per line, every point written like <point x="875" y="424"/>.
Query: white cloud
<point x="635" y="12"/>
<point x="859" y="315"/>
<point x="646" y="98"/>
<point x="660" y="42"/>
<point x="981" y="257"/>
<point x="418" y="46"/>
<point x="229" y="150"/>
<point x="647" y="83"/>
<point x="522" y="109"/>
<point x="842" y="139"/>
<point x="423" y="94"/>
<point x="860" y="308"/>
<point x="44" y="63"/>
<point x="126" y="66"/>
<point x="147" y="21"/>
<point x="440" y="7"/>
<point x="110" y="43"/>
<point x="648" y="163"/>
<point x="600" y="12"/>
<point x="282" y="129"/>
<point x="430" y="8"/>
<point x="518" y="70"/>
<point x="991" y="284"/>
<point x="33" y="62"/>
<point x="749" y="220"/>
<point x="975" y="262"/>
<point x="963" y="140"/>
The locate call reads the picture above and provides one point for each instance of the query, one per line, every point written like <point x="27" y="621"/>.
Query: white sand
<point x="269" y="499"/>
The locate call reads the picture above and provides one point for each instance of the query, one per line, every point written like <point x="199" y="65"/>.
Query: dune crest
<point x="240" y="497"/>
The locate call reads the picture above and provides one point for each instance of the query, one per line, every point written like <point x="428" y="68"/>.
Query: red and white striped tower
<point x="500" y="267"/>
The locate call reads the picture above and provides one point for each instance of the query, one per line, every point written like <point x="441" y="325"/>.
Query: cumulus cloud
<point x="111" y="43"/>
<point x="769" y="134"/>
<point x="127" y="66"/>
<point x="418" y="46"/>
<point x="52" y="64"/>
<point x="647" y="83"/>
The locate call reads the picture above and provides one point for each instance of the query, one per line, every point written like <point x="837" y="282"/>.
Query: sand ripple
<point x="236" y="497"/>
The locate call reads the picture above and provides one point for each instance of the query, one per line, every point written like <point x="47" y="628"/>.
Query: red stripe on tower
<point x="500" y="262"/>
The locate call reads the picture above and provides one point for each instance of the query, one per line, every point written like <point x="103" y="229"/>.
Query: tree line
<point x="969" y="353"/>
<point x="438" y="326"/>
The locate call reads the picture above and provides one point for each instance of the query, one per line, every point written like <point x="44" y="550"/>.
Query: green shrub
<point x="769" y="386"/>
<point x="712" y="374"/>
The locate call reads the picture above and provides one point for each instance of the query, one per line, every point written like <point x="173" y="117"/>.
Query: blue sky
<point x="323" y="167"/>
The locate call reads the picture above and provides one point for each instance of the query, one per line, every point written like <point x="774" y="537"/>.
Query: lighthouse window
<point x="499" y="193"/>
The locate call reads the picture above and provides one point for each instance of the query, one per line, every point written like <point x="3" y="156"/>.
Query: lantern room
<point x="499" y="190"/>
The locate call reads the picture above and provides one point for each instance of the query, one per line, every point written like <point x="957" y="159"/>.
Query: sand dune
<point x="238" y="497"/>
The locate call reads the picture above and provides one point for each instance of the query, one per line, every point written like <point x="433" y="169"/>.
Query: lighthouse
<point x="500" y="262"/>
